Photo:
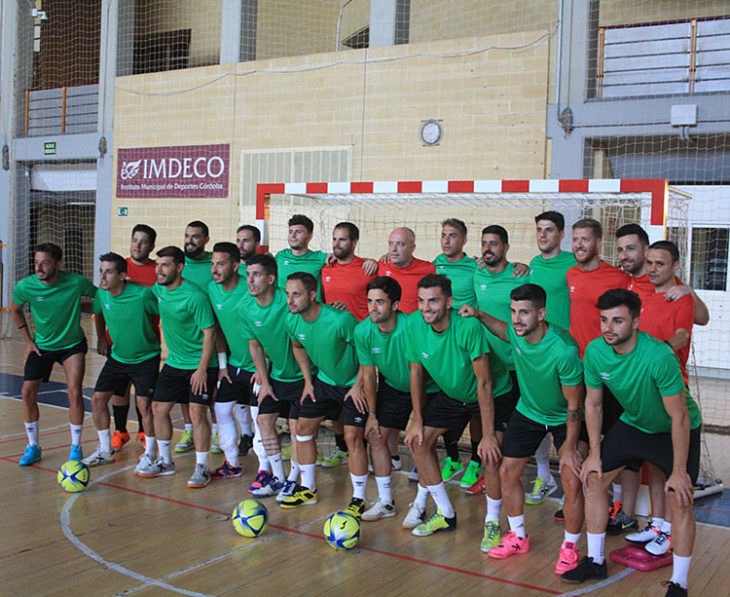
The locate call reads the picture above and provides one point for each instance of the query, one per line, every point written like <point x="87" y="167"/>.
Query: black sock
<point x="396" y="457"/>
<point x="452" y="451"/>
<point x="340" y="441"/>
<point x="120" y="417"/>
<point x="475" y="452"/>
<point x="139" y="420"/>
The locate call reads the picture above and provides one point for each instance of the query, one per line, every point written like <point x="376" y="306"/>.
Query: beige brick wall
<point x="492" y="106"/>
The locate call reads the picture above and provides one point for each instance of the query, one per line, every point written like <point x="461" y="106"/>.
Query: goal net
<point x="378" y="208"/>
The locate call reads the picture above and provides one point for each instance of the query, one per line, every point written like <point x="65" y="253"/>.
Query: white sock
<point x="596" y="544"/>
<point x="680" y="569"/>
<point x="493" y="508"/>
<point x="150" y="445"/>
<point x="617" y="492"/>
<point x="571" y="537"/>
<point x="76" y="433"/>
<point x="164" y="447"/>
<point x="517" y="525"/>
<point x="258" y="448"/>
<point x="201" y="458"/>
<point x="31" y="430"/>
<point x="188" y="426"/>
<point x="243" y="416"/>
<point x="277" y="466"/>
<point x="105" y="440"/>
<point x="294" y="471"/>
<point x="543" y="469"/>
<point x="384" y="489"/>
<point x="443" y="503"/>
<point x="359" y="483"/>
<point x="421" y="497"/>
<point x="307" y="471"/>
<point x="542" y="457"/>
<point x="667" y="527"/>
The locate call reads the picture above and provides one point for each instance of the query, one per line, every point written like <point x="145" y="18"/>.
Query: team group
<point x="570" y="350"/>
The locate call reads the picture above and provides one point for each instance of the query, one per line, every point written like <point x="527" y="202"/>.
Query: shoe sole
<point x="197" y="485"/>
<point x="577" y="582"/>
<point x="446" y="479"/>
<point x="330" y="465"/>
<point x="371" y="519"/>
<point x="217" y="478"/>
<point x="29" y="463"/>
<point x="153" y="475"/>
<point x="98" y="463"/>
<point x="292" y="506"/>
<point x="508" y="555"/>
<point x="441" y="530"/>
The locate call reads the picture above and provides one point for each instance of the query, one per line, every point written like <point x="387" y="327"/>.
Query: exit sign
<point x="123" y="211"/>
<point x="49" y="148"/>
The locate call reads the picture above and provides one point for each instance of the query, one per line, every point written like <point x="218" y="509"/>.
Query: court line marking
<point x="600" y="585"/>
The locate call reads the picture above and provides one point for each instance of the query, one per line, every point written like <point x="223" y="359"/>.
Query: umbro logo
<point x="286" y="262"/>
<point x="328" y="278"/>
<point x="388" y="272"/>
<point x="40" y="298"/>
<point x="482" y="286"/>
<point x="219" y="306"/>
<point x="572" y="289"/>
<point x="107" y="306"/>
<point x="517" y="350"/>
<point x="425" y="355"/>
<point x="377" y="350"/>
<point x="302" y="336"/>
<point x="606" y="376"/>
<point x="258" y="324"/>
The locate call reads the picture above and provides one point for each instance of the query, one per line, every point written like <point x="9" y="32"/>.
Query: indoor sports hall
<point x="385" y="113"/>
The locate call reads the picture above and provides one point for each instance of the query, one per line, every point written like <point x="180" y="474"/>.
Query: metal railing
<point x="61" y="110"/>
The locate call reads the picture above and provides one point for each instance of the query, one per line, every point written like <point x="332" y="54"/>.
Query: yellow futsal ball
<point x="342" y="530"/>
<point x="250" y="518"/>
<point x="73" y="476"/>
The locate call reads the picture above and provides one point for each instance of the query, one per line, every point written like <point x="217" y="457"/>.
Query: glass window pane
<point x="709" y="258"/>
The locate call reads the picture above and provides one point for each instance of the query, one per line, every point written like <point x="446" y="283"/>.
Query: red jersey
<point x="585" y="288"/>
<point x="662" y="318"/>
<point x="142" y="274"/>
<point x="641" y="286"/>
<point x="346" y="283"/>
<point x="408" y="278"/>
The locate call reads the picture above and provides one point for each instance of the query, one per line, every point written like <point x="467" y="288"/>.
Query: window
<point x="166" y="50"/>
<point x="709" y="258"/>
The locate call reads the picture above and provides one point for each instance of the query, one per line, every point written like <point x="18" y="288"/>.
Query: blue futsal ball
<point x="250" y="518"/>
<point x="342" y="530"/>
<point x="73" y="476"/>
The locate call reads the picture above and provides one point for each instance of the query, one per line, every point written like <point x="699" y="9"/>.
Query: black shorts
<point x="330" y="402"/>
<point x="504" y="406"/>
<point x="444" y="412"/>
<point x="392" y="407"/>
<point x="288" y="394"/>
<point x="239" y="389"/>
<point x="612" y="410"/>
<point x="523" y="436"/>
<point x="625" y="445"/>
<point x="40" y="366"/>
<point x="173" y="385"/>
<point x="115" y="377"/>
<point x="515" y="383"/>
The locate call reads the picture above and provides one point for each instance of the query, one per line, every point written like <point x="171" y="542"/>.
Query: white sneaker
<point x="413" y="475"/>
<point x="660" y="545"/>
<point x="148" y="469"/>
<point x="98" y="457"/>
<point x="648" y="533"/>
<point x="414" y="517"/>
<point x="396" y="465"/>
<point x="200" y="477"/>
<point x="288" y="491"/>
<point x="379" y="509"/>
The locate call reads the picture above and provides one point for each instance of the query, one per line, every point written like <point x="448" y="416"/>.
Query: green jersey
<point x="243" y="270"/>
<point x="448" y="355"/>
<point x="461" y="274"/>
<point x="266" y="324"/>
<point x="638" y="380"/>
<point x="329" y="342"/>
<point x="185" y="312"/>
<point x="542" y="368"/>
<point x="550" y="274"/>
<point x="492" y="292"/>
<point x="226" y="309"/>
<point x="198" y="270"/>
<point x="311" y="262"/>
<point x="388" y="352"/>
<point x="127" y="316"/>
<point x="55" y="308"/>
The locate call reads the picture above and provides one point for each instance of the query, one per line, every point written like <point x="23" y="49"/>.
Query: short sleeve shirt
<point x="408" y="278"/>
<point x="542" y="369"/>
<point x="638" y="380"/>
<point x="185" y="313"/>
<point x="128" y="318"/>
<point x="550" y="275"/>
<point x="461" y="274"/>
<point x="55" y="308"/>
<point x="198" y="270"/>
<point x="311" y="262"/>
<point x="347" y="283"/>
<point x="226" y="306"/>
<point x="330" y="344"/>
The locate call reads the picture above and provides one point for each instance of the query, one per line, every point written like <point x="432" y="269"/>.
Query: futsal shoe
<point x="215" y="447"/>
<point x="471" y="475"/>
<point x="674" y="589"/>
<point x="147" y="469"/>
<point x="379" y="509"/>
<point x="32" y="454"/>
<point x="356" y="507"/>
<point x="587" y="569"/>
<point x="478" y="488"/>
<point x="648" y="533"/>
<point x="509" y="546"/>
<point x="98" y="457"/>
<point x="226" y="471"/>
<point x="413" y="475"/>
<point x="568" y="557"/>
<point x="287" y="491"/>
<point x="286" y="452"/>
<point x="302" y="497"/>
<point x="186" y="442"/>
<point x="414" y="516"/>
<point x="541" y="488"/>
<point x="450" y="468"/>
<point x="395" y="463"/>
<point x="492" y="535"/>
<point x="621" y="523"/>
<point x="76" y="452"/>
<point x="200" y="477"/>
<point x="437" y="522"/>
<point x="119" y="439"/>
<point x="337" y="458"/>
<point x="142" y="439"/>
<point x="245" y="444"/>
<point x="660" y="545"/>
<point x="269" y="485"/>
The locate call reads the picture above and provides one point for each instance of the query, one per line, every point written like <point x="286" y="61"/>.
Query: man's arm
<point x="569" y="455"/>
<point x="494" y="325"/>
<point x="702" y="313"/>
<point x="594" y="422"/>
<point x="369" y="381"/>
<point x="18" y="317"/>
<point x="305" y="365"/>
<point x="262" y="374"/>
<point x="221" y="347"/>
<point x="198" y="381"/>
<point x="488" y="446"/>
<point x="102" y="346"/>
<point x="418" y="398"/>
<point x="679" y="481"/>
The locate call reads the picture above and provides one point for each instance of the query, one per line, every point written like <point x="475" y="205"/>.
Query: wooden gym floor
<point x="126" y="535"/>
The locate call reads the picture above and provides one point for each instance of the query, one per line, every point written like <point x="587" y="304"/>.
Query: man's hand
<point x="385" y="258"/>
<point x="307" y="392"/>
<point x="266" y="390"/>
<point x="102" y="346"/>
<point x="357" y="395"/>
<point x="520" y="270"/>
<point x="414" y="435"/>
<point x="570" y="458"/>
<point x="331" y="259"/>
<point x="680" y="483"/>
<point x="677" y="292"/>
<point x="30" y="346"/>
<point x="372" y="426"/>
<point x="223" y="374"/>
<point x="339" y="305"/>
<point x="199" y="382"/>
<point x="488" y="448"/>
<point x="467" y="311"/>
<point x="591" y="465"/>
<point x="370" y="266"/>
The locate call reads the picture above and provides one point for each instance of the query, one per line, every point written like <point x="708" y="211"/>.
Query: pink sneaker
<point x="568" y="558"/>
<point x="510" y="545"/>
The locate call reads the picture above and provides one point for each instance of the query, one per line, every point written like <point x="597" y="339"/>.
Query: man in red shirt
<point x="404" y="267"/>
<point x="344" y="282"/>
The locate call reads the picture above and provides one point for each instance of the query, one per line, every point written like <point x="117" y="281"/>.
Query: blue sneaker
<point x="76" y="453"/>
<point x="32" y="454"/>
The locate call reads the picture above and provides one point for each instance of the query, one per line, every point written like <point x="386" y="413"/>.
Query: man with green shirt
<point x="550" y="376"/>
<point x="660" y="424"/>
<point x="323" y="335"/>
<point x="455" y="264"/>
<point x="126" y="308"/>
<point x="454" y="351"/>
<point x="189" y="328"/>
<point x="299" y="257"/>
<point x="248" y="240"/>
<point x="281" y="384"/>
<point x="54" y="298"/>
<point x="228" y="293"/>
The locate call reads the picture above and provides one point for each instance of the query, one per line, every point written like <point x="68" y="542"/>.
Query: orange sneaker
<point x="478" y="488"/>
<point x="141" y="439"/>
<point x="119" y="439"/>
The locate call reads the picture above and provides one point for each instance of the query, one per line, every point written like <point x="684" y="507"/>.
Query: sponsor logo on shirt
<point x="605" y="375"/>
